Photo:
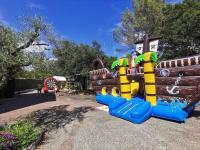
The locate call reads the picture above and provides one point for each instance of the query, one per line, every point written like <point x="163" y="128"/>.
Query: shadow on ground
<point x="58" y="116"/>
<point x="24" y="101"/>
<point x="196" y="114"/>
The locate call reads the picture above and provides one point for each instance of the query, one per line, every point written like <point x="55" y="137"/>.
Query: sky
<point x="80" y="21"/>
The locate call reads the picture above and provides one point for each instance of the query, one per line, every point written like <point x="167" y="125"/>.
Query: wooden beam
<point x="109" y="87"/>
<point x="184" y="91"/>
<point x="150" y="39"/>
<point x="114" y="81"/>
<point x="185" y="80"/>
<point x="187" y="70"/>
<point x="146" y="44"/>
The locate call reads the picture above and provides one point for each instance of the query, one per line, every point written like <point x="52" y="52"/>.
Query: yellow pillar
<point x="149" y="79"/>
<point x="114" y="92"/>
<point x="125" y="87"/>
<point x="134" y="87"/>
<point x="104" y="91"/>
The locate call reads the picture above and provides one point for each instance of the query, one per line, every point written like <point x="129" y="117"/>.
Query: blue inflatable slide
<point x="137" y="110"/>
<point x="107" y="99"/>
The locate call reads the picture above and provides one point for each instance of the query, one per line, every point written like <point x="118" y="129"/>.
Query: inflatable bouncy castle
<point x="143" y="87"/>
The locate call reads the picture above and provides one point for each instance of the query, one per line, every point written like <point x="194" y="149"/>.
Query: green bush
<point x="8" y="141"/>
<point x="25" y="131"/>
<point x="2" y="140"/>
<point x="76" y="86"/>
<point x="2" y="127"/>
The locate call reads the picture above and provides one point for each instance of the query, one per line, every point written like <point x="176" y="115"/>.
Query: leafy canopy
<point x="115" y="64"/>
<point x="145" y="18"/>
<point x="178" y="24"/>
<point x="154" y="57"/>
<point x="74" y="59"/>
<point x="139" y="59"/>
<point x="181" y="29"/>
<point x="13" y="55"/>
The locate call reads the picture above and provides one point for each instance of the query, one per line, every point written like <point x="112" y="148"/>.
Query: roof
<point x="59" y="78"/>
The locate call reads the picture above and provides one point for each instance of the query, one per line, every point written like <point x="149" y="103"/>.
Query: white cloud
<point x="104" y="30"/>
<point x="119" y="24"/>
<point x="1" y="16"/>
<point x="108" y="31"/>
<point x="64" y="36"/>
<point x="33" y="5"/>
<point x="2" y="19"/>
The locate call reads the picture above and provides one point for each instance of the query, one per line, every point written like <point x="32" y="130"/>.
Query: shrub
<point x="2" y="127"/>
<point x="8" y="141"/>
<point x="25" y="131"/>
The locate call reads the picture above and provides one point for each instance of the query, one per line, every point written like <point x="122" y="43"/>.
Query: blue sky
<point x="80" y="21"/>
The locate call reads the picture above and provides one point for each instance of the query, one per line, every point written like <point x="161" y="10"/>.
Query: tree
<point x="13" y="45"/>
<point x="181" y="29"/>
<point x="146" y="18"/>
<point x="40" y="68"/>
<point x="109" y="60"/>
<point x="76" y="59"/>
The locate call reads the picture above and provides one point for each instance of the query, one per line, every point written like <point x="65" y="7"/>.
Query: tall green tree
<point x="178" y="24"/>
<point x="13" y="44"/>
<point x="109" y="60"/>
<point x="41" y="67"/>
<point x="146" y="17"/>
<point x="181" y="29"/>
<point x="76" y="59"/>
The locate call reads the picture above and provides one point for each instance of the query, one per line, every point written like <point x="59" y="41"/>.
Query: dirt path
<point x="23" y="105"/>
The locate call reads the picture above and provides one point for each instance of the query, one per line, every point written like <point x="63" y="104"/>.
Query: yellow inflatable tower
<point x="125" y="87"/>
<point x="149" y="79"/>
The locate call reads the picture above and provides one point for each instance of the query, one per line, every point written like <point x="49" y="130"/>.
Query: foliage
<point x="76" y="86"/>
<point x="18" y="135"/>
<point x="154" y="57"/>
<point x="2" y="127"/>
<point x="41" y="67"/>
<point x="13" y="44"/>
<point x="109" y="60"/>
<point x="76" y="59"/>
<point x="115" y="64"/>
<point x="146" y="18"/>
<point x="128" y="55"/>
<point x="2" y="139"/>
<point x="125" y="62"/>
<point x="178" y="24"/>
<point x="8" y="140"/>
<point x="25" y="131"/>
<point x="139" y="59"/>
<point x="181" y="29"/>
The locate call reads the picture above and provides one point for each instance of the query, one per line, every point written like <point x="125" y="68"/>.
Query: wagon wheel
<point x="51" y="83"/>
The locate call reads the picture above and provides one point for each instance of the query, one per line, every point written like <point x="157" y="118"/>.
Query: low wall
<point x="24" y="84"/>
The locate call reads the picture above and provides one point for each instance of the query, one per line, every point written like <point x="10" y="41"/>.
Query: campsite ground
<point x="75" y="122"/>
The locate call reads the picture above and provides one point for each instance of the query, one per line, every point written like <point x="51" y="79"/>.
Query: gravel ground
<point x="73" y="123"/>
<point x="101" y="131"/>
